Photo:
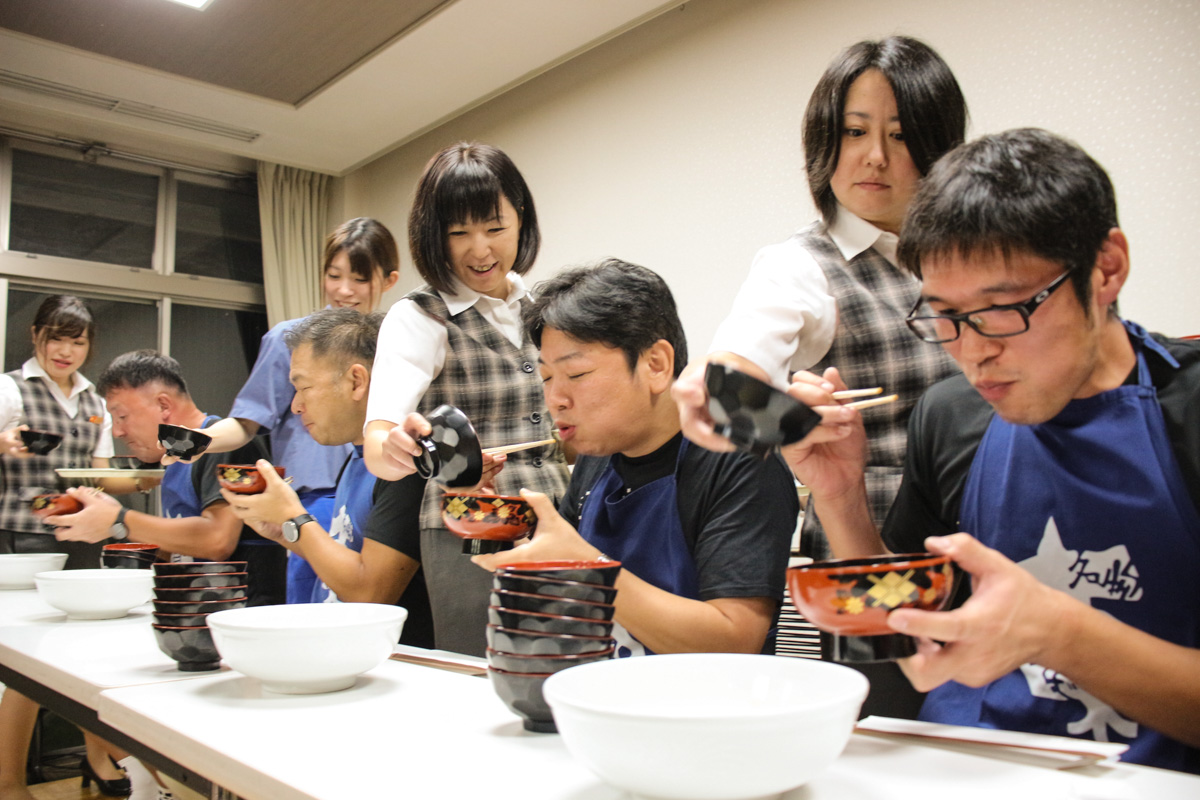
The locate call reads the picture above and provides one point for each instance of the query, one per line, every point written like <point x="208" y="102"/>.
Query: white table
<point x="411" y="731"/>
<point x="414" y="731"/>
<point x="66" y="664"/>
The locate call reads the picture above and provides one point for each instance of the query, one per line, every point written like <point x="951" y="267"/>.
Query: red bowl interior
<point x="475" y="515"/>
<point x="243" y="478"/>
<point x="853" y="597"/>
<point x="49" y="505"/>
<point x="129" y="547"/>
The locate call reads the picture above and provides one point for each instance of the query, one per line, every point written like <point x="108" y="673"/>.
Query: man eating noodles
<point x="1069" y="450"/>
<point x="703" y="537"/>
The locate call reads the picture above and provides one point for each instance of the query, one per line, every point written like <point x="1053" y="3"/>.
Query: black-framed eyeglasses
<point x="994" y="321"/>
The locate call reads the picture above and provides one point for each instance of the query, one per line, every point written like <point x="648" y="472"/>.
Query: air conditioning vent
<point x="131" y="108"/>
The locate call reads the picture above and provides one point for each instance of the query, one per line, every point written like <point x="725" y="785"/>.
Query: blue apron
<point x="1092" y="503"/>
<point x="641" y="529"/>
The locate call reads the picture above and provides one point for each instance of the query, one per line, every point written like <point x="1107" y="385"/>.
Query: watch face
<point x="291" y="532"/>
<point x="118" y="531"/>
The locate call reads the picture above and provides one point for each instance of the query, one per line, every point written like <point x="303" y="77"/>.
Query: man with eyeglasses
<point x="1068" y="450"/>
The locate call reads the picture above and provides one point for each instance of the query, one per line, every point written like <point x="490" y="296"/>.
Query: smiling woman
<point x="473" y="233"/>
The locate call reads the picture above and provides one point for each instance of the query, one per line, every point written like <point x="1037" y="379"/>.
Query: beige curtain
<point x="292" y="207"/>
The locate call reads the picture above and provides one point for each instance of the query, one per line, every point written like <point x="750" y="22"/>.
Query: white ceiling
<point x="461" y="55"/>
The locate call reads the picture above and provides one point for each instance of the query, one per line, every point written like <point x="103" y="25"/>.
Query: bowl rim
<point x="556" y="617"/>
<point x="542" y="675"/>
<point x="553" y="656"/>
<point x="535" y="566"/>
<point x="547" y="635"/>
<point x="599" y="704"/>
<point x="529" y="576"/>
<point x="551" y="598"/>
<point x="230" y="619"/>
<point x="855" y="566"/>
<point x="512" y="498"/>
<point x="98" y="572"/>
<point x="197" y="588"/>
<point x="28" y="556"/>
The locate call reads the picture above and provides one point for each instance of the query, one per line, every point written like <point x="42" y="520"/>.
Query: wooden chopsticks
<point x="875" y="401"/>
<point x="515" y="448"/>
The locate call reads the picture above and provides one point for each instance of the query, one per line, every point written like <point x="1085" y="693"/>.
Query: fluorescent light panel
<point x="199" y="5"/>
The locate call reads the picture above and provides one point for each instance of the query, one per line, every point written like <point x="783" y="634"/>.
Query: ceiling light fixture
<point x="199" y="5"/>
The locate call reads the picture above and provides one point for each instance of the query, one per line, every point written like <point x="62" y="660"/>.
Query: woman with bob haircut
<point x="458" y="339"/>
<point x="48" y="393"/>
<point x="833" y="295"/>
<point x="360" y="262"/>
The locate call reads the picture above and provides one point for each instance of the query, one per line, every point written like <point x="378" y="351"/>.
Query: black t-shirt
<point x="949" y="421"/>
<point x="737" y="512"/>
<point x="395" y="521"/>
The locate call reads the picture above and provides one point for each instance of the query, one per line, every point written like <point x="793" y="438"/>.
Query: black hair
<point x="135" y="369"/>
<point x="64" y="316"/>
<point x="933" y="111"/>
<point x="368" y="245"/>
<point x="341" y="333"/>
<point x="464" y="183"/>
<point x="615" y="303"/>
<point x="1021" y="191"/>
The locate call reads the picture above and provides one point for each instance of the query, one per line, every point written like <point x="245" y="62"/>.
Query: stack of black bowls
<point x="544" y="617"/>
<point x="185" y="593"/>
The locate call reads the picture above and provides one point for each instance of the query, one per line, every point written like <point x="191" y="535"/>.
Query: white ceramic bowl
<point x="307" y="648"/>
<point x="706" y="726"/>
<point x="95" y="593"/>
<point x="17" y="569"/>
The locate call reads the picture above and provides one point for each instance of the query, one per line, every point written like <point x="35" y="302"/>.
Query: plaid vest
<point x="25" y="477"/>
<point x="874" y="347"/>
<point x="499" y="389"/>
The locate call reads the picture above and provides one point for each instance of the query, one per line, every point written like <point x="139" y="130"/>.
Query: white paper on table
<point x="1061" y="752"/>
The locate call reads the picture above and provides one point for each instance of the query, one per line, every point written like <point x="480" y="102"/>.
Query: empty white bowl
<point x="17" y="569"/>
<point x="706" y="726"/>
<point x="306" y="648"/>
<point x="95" y="593"/>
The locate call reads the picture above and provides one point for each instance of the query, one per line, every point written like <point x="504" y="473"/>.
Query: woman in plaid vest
<point x="834" y="295"/>
<point x="458" y="339"/>
<point x="49" y="394"/>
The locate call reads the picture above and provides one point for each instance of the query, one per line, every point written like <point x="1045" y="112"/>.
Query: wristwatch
<point x="291" y="527"/>
<point x="118" y="530"/>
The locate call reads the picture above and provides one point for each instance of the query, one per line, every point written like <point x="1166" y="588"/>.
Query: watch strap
<point x="119" y="530"/>
<point x="297" y="523"/>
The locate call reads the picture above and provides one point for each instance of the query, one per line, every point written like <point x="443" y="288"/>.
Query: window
<point x="217" y="231"/>
<point x="85" y="211"/>
<point x="166" y="259"/>
<point x="216" y="348"/>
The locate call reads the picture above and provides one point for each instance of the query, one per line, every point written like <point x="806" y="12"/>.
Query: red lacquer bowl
<point x="243" y="478"/>
<point x="853" y="596"/>
<point x="472" y="515"/>
<point x="50" y="505"/>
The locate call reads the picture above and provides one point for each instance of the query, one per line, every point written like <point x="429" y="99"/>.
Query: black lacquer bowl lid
<point x="451" y="453"/>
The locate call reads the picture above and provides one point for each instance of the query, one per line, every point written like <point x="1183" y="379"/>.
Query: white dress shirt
<point x="413" y="346"/>
<point x="783" y="317"/>
<point x="12" y="408"/>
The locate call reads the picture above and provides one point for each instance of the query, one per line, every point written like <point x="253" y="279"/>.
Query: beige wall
<point x="677" y="145"/>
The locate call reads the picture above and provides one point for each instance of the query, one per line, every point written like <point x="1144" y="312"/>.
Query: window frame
<point x="159" y="283"/>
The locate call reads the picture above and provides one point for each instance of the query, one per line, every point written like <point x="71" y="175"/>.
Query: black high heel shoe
<point x="117" y="787"/>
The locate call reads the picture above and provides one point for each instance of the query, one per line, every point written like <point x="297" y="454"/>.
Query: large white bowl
<point x="706" y="726"/>
<point x="307" y="648"/>
<point x="95" y="593"/>
<point x="17" y="569"/>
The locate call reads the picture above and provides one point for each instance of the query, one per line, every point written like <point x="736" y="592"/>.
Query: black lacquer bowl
<point x="755" y="416"/>
<point x="451" y="453"/>
<point x="182" y="442"/>
<point x="192" y="647"/>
